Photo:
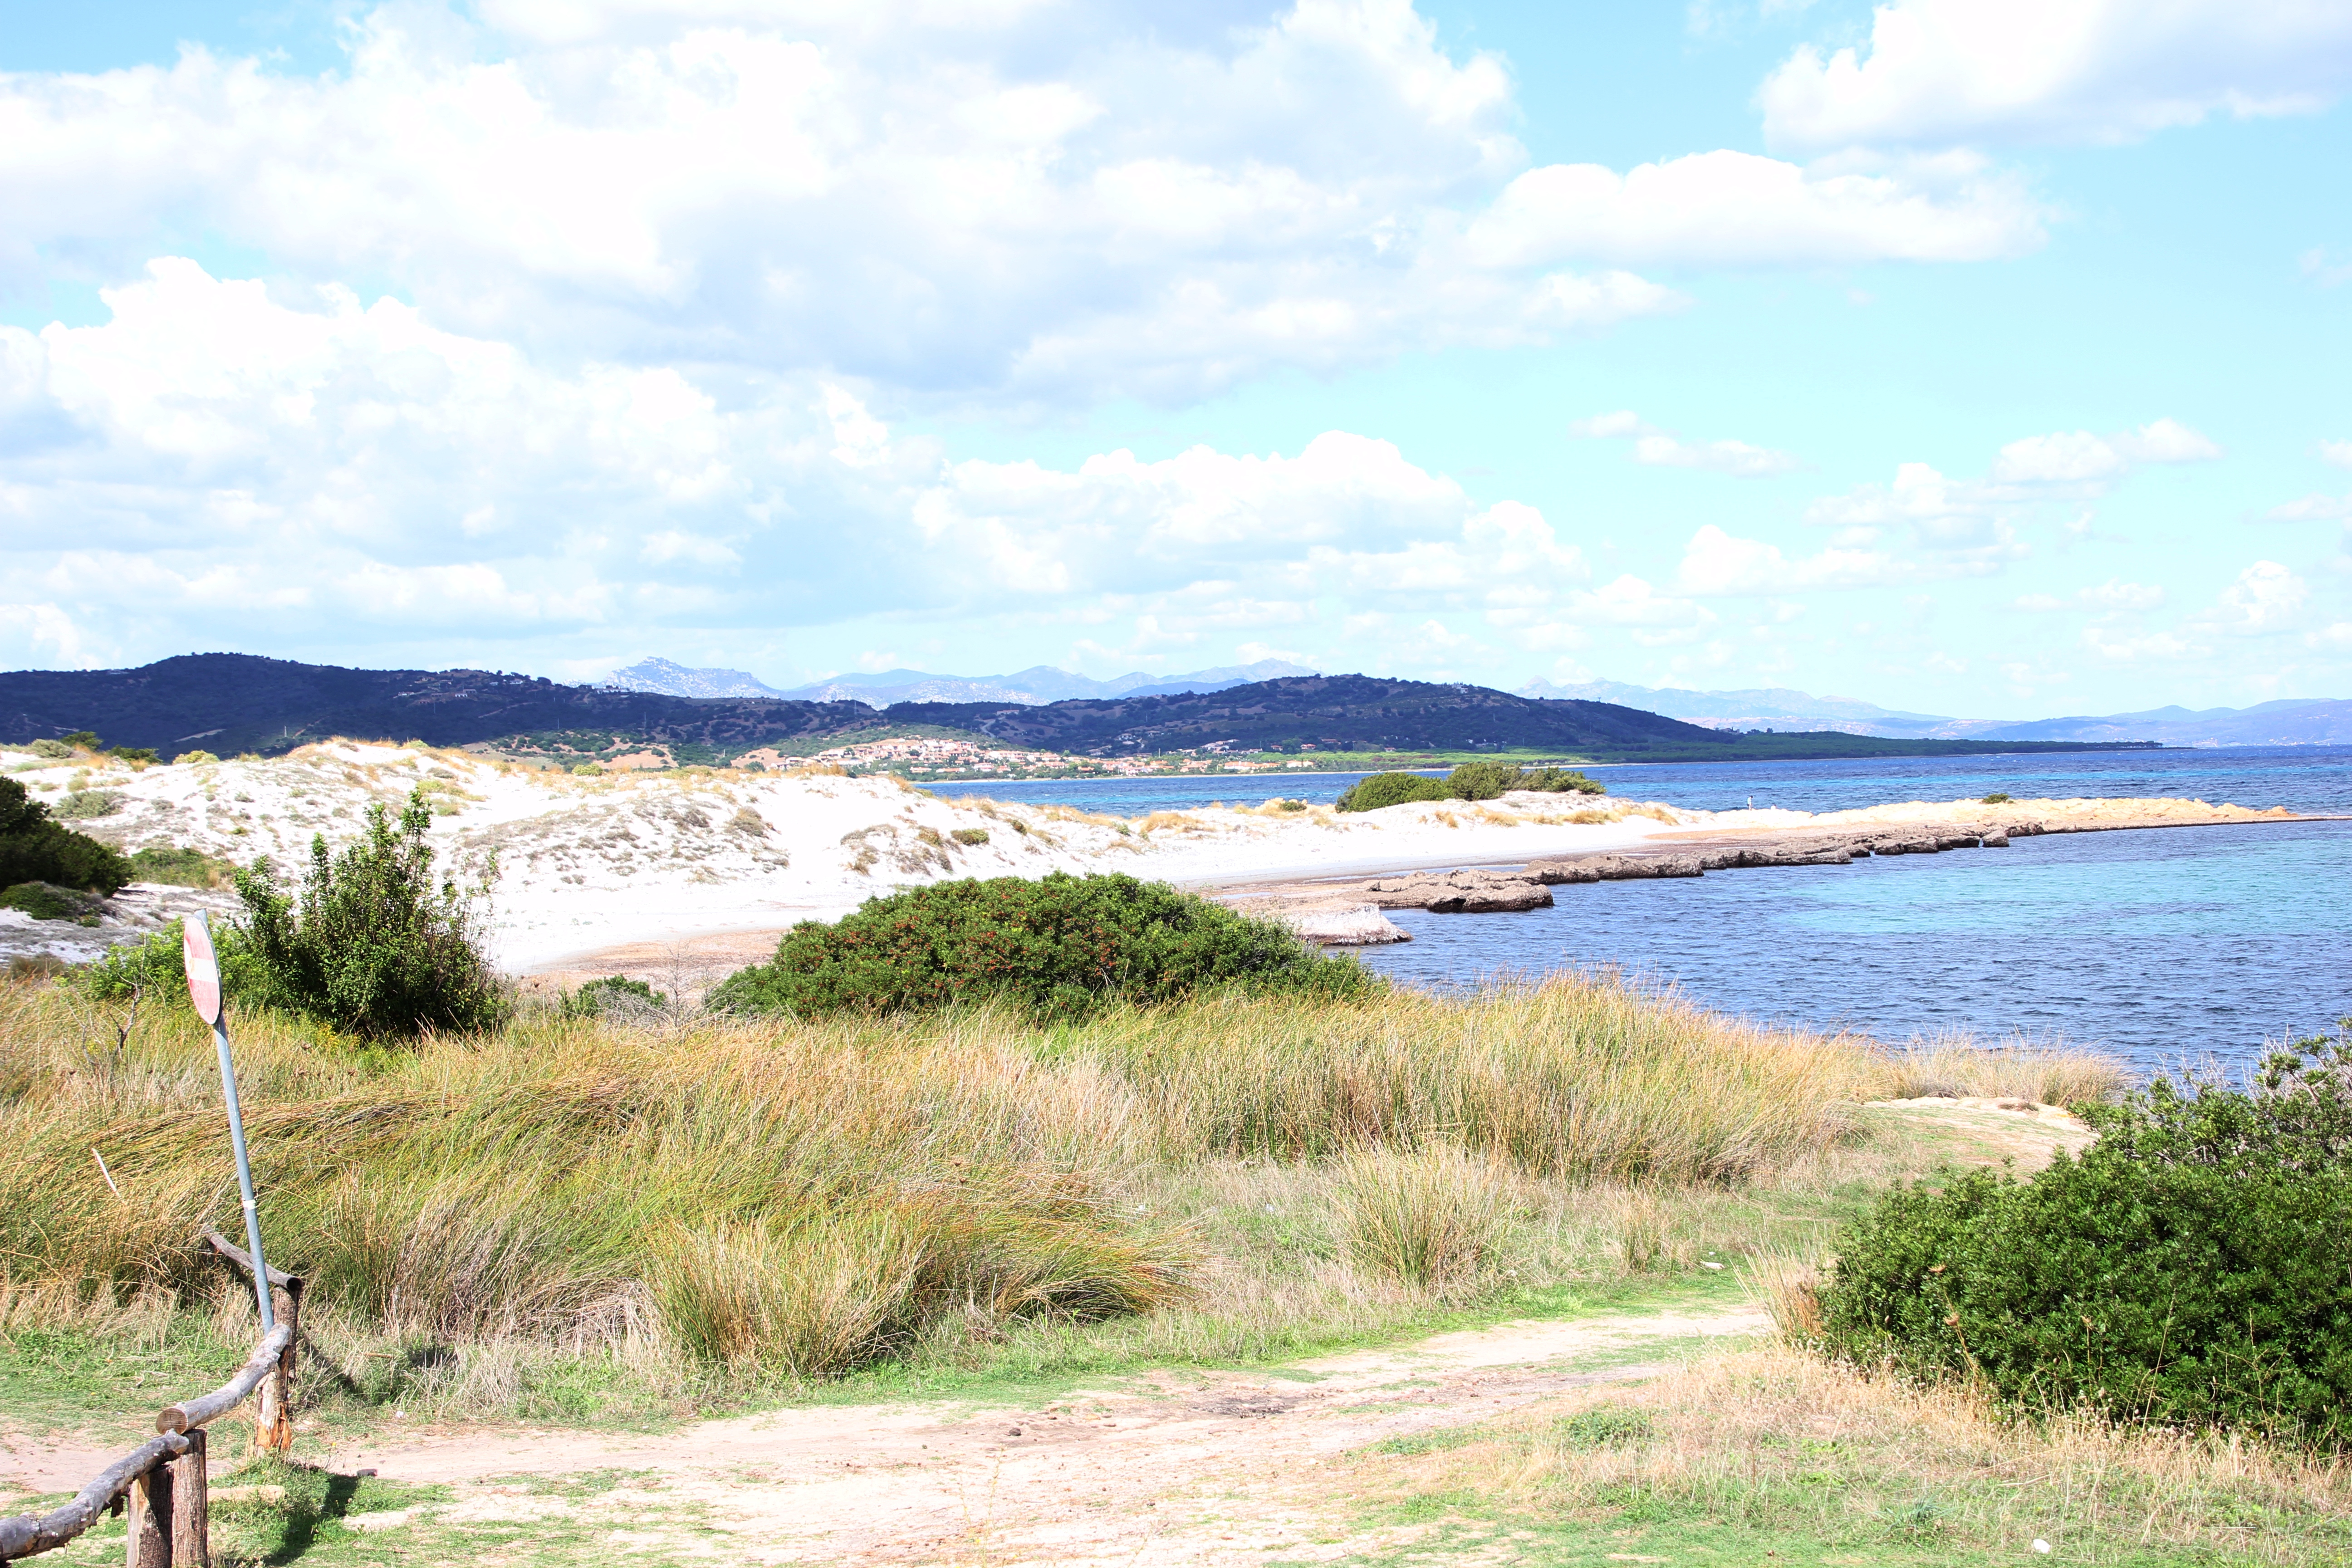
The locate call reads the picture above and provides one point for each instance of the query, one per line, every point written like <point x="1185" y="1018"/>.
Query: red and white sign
<point x="204" y="969"/>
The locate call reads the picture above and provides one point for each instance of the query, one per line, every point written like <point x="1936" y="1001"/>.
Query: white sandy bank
<point x="586" y="863"/>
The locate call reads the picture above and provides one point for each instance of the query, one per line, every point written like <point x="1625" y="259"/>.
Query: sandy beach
<point x="701" y="867"/>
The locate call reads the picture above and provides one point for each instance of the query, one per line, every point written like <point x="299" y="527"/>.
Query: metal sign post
<point x="204" y="991"/>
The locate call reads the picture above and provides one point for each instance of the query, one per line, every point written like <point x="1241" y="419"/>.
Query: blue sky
<point x="1961" y="355"/>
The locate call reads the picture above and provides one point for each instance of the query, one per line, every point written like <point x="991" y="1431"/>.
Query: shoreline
<point x="708" y="861"/>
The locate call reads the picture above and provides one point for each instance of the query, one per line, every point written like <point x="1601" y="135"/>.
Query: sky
<point x="1966" y="356"/>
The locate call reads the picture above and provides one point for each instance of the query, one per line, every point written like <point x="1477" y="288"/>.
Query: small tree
<point x="372" y="947"/>
<point x="33" y="848"/>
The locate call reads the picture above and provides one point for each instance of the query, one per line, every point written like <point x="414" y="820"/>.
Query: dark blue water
<point x="2154" y="945"/>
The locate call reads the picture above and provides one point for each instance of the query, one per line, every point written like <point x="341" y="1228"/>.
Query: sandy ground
<point x="1185" y="1467"/>
<point x="702" y="867"/>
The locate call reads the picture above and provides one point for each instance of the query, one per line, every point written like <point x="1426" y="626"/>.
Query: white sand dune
<point x="585" y="863"/>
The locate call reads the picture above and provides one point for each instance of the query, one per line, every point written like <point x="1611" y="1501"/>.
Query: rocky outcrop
<point x="1459" y="892"/>
<point x="1343" y="925"/>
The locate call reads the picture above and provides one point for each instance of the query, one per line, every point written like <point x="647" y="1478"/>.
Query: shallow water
<point x="2154" y="945"/>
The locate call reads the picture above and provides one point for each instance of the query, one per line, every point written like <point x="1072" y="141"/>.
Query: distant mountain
<point x="1767" y="708"/>
<point x="1037" y="685"/>
<point x="2293" y="721"/>
<point x="672" y="680"/>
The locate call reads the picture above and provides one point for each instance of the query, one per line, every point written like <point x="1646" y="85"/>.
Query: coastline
<point x="710" y="859"/>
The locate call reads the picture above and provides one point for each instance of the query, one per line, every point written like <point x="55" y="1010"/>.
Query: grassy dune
<point x="640" y="1214"/>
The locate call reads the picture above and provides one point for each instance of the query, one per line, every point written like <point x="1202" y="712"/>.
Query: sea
<point x="2163" y="947"/>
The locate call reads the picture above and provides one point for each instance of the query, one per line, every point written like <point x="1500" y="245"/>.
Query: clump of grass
<point x="1431" y="1217"/>
<point x="545" y="1216"/>
<point x="2047" y="1073"/>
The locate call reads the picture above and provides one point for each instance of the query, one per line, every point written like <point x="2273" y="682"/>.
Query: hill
<point x="1361" y="713"/>
<point x="228" y="703"/>
<point x="233" y="703"/>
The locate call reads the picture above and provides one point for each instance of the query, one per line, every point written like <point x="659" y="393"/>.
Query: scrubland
<point x="621" y="1217"/>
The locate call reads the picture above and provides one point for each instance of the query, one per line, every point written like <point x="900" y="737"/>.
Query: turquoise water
<point x="2155" y="946"/>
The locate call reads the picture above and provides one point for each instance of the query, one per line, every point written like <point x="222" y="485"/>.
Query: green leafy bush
<point x="82" y="803"/>
<point x="189" y="758"/>
<point x="157" y="967"/>
<point x="1470" y="780"/>
<point x="1995" y="798"/>
<point x="180" y="868"/>
<point x="374" y="949"/>
<point x="616" y="993"/>
<point x="43" y="901"/>
<point x="970" y="836"/>
<point x="2189" y="1269"/>
<point x="1060" y="949"/>
<point x="33" y="848"/>
<point x="52" y="751"/>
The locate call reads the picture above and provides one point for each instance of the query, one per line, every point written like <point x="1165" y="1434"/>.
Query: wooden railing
<point x="162" y="1483"/>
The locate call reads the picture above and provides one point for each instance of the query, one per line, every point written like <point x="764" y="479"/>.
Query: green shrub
<point x="1391" y="789"/>
<point x="54" y="751"/>
<point x="2189" y="1269"/>
<point x="376" y="950"/>
<point x="180" y="868"/>
<point x="35" y="849"/>
<point x="970" y="836"/>
<point x="1059" y="949"/>
<point x="616" y="993"/>
<point x="80" y="804"/>
<point x="1995" y="798"/>
<point x="138" y="756"/>
<point x="86" y="739"/>
<point x="1470" y="780"/>
<point x="157" y="967"/>
<point x="189" y="758"/>
<point x="43" y="901"/>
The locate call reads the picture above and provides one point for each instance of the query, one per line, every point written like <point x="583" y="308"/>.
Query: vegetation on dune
<point x="33" y="848"/>
<point x="368" y="945"/>
<point x="1061" y="948"/>
<point x="1470" y="780"/>
<point x="2187" y="1270"/>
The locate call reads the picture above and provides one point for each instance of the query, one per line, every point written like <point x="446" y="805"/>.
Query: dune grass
<point x="575" y="1216"/>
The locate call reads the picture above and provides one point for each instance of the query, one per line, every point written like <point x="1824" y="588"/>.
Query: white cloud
<point x="1973" y="515"/>
<point x="1736" y="209"/>
<point x="2313" y="508"/>
<point x="2337" y="452"/>
<point x="1717" y="563"/>
<point x="954" y="200"/>
<point x="351" y="475"/>
<point x="2078" y="458"/>
<point x="2112" y="597"/>
<point x="1660" y="448"/>
<point x="1953" y="72"/>
<point x="2266" y="598"/>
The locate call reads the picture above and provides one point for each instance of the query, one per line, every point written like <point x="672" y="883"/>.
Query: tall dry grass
<point x="790" y="1199"/>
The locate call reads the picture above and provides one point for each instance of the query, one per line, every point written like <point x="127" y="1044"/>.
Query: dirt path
<point x="1179" y="1468"/>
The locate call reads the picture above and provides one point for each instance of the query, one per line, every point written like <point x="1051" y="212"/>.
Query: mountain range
<point x="2289" y="721"/>
<point x="226" y="704"/>
<point x="1037" y="685"/>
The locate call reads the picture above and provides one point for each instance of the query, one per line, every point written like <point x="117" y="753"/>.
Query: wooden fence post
<point x="149" y="1543"/>
<point x="274" y="1417"/>
<point x="192" y="1507"/>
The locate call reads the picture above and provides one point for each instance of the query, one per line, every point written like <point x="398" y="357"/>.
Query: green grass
<point x="1770" y="1456"/>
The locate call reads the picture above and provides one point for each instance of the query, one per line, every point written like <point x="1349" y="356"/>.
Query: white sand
<point x="587" y="863"/>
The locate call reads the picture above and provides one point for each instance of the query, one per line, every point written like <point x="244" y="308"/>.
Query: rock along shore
<point x="1352" y="913"/>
